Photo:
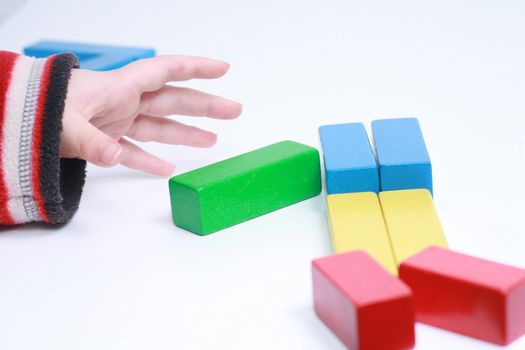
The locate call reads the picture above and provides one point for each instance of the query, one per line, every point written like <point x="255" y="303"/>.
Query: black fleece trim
<point x="61" y="180"/>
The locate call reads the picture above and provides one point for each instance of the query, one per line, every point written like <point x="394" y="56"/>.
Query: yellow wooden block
<point x="412" y="222"/>
<point x="356" y="223"/>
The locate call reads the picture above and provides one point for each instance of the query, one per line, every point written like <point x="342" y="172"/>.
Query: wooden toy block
<point x="94" y="57"/>
<point x="241" y="188"/>
<point x="349" y="163"/>
<point x="361" y="303"/>
<point x="402" y="155"/>
<point x="412" y="222"/>
<point x="356" y="223"/>
<point x="467" y="295"/>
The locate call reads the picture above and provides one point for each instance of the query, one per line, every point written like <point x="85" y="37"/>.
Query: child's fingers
<point x="147" y="128"/>
<point x="152" y="73"/>
<point x="183" y="101"/>
<point x="136" y="158"/>
<point x="83" y="140"/>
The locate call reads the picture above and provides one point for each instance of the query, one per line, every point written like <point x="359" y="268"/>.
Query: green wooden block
<point x="241" y="188"/>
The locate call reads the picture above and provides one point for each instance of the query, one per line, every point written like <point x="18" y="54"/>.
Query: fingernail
<point x="110" y="154"/>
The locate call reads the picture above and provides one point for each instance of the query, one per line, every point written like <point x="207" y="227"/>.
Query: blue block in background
<point x="402" y="155"/>
<point x="94" y="57"/>
<point x="349" y="163"/>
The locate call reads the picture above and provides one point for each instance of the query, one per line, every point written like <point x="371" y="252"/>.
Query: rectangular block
<point x="356" y="223"/>
<point x="241" y="188"/>
<point x="361" y="303"/>
<point x="349" y="163"/>
<point x="412" y="222"/>
<point x="402" y="155"/>
<point x="91" y="56"/>
<point x="467" y="295"/>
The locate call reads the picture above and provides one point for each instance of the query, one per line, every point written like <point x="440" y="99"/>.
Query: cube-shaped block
<point x="467" y="295"/>
<point x="402" y="155"/>
<point x="90" y="56"/>
<point x="356" y="223"/>
<point x="412" y="222"/>
<point x="241" y="188"/>
<point x="349" y="163"/>
<point x="361" y="303"/>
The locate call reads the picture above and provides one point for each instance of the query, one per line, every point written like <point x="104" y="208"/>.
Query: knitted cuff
<point x="35" y="183"/>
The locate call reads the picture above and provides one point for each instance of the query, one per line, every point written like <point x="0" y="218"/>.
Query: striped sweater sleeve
<point x="35" y="183"/>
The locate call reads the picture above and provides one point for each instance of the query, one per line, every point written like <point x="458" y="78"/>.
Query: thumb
<point x="83" y="140"/>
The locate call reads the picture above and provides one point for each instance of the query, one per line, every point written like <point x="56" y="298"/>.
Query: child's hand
<point x="103" y="107"/>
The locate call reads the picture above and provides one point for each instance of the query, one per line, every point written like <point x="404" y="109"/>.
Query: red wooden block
<point x="365" y="306"/>
<point x="467" y="295"/>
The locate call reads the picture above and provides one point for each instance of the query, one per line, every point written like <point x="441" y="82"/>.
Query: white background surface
<point x="122" y="276"/>
<point x="8" y="6"/>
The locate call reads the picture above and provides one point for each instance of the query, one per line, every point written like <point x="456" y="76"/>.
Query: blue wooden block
<point x="349" y="163"/>
<point x="94" y="57"/>
<point x="402" y="155"/>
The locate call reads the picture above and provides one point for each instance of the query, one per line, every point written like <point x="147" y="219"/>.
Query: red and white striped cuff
<point x="35" y="184"/>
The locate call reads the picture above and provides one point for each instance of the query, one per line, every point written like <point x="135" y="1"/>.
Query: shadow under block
<point x="402" y="155"/>
<point x="94" y="57"/>
<point x="356" y="223"/>
<point x="241" y="188"/>
<point x="361" y="303"/>
<point x="349" y="162"/>
<point x="467" y="295"/>
<point x="412" y="222"/>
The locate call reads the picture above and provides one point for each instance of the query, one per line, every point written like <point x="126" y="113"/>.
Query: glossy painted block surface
<point x="361" y="303"/>
<point x="241" y="188"/>
<point x="350" y="165"/>
<point x="412" y="222"/>
<point x="94" y="57"/>
<point x="356" y="223"/>
<point x="403" y="158"/>
<point x="467" y="295"/>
